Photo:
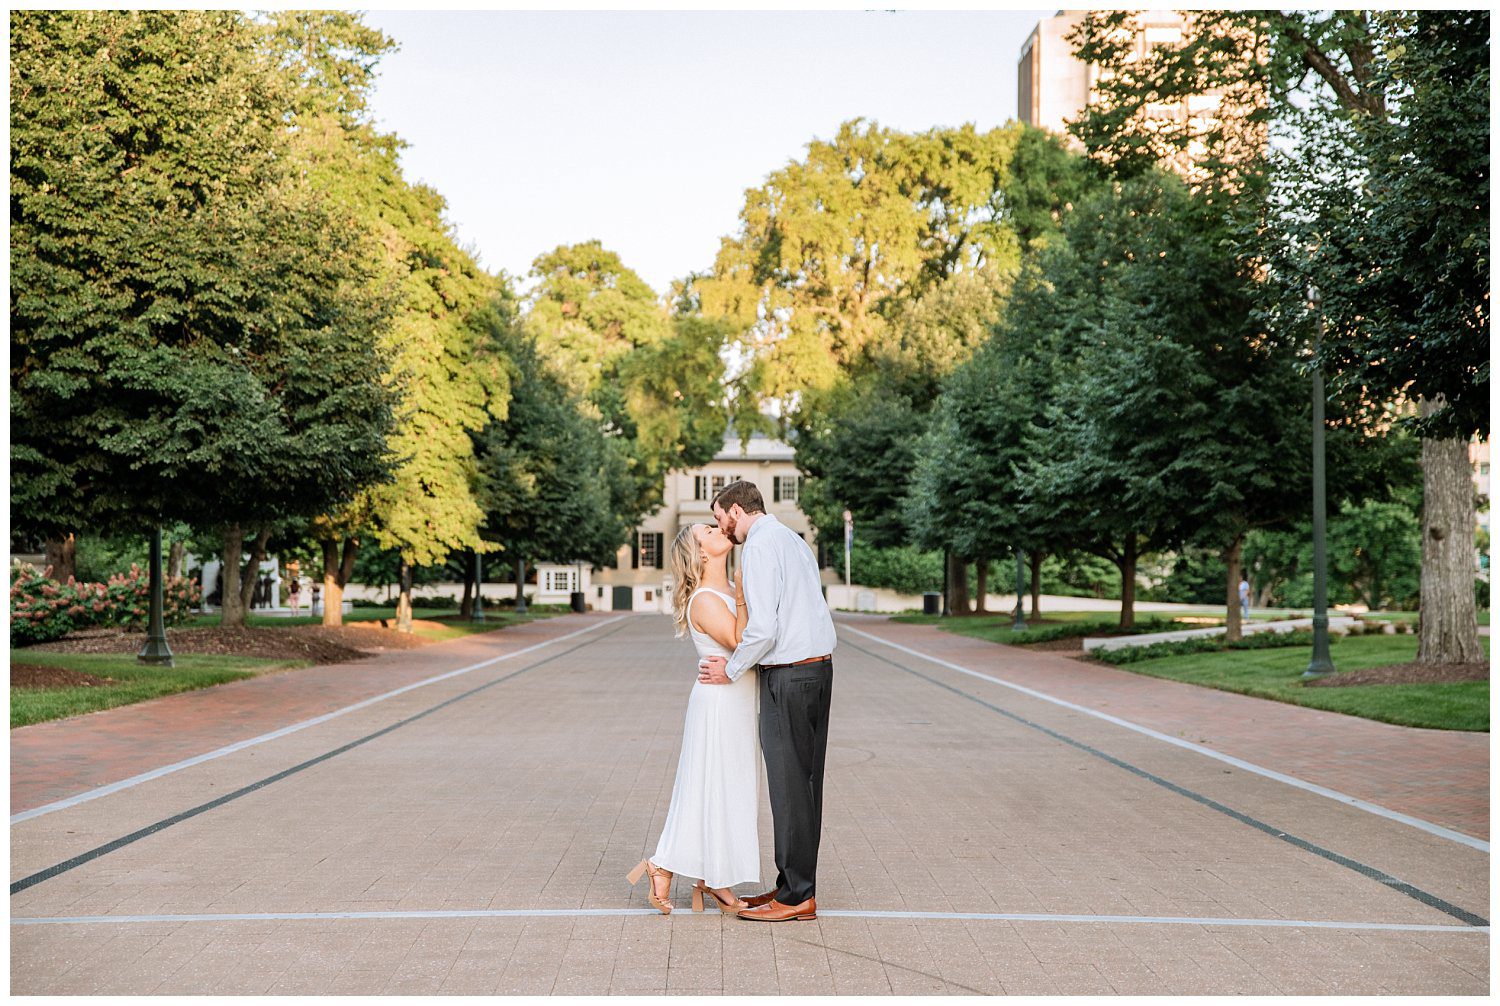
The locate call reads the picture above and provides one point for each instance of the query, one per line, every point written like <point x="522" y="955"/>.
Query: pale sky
<point x="644" y="130"/>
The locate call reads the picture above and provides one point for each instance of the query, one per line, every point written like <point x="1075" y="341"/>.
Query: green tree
<point x="192" y="323"/>
<point x="550" y="481"/>
<point x="444" y="312"/>
<point x="1378" y="196"/>
<point x="651" y="378"/>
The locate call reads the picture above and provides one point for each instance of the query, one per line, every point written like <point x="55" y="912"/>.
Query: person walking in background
<point x="789" y="638"/>
<point x="294" y="585"/>
<point x="1244" y="598"/>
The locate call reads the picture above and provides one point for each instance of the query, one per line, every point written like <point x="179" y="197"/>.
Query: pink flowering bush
<point x="41" y="609"/>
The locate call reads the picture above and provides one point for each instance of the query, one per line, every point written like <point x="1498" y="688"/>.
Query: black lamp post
<point x="476" y="613"/>
<point x="1322" y="661"/>
<point x="156" y="651"/>
<point x="1020" y="625"/>
<point x="520" y="586"/>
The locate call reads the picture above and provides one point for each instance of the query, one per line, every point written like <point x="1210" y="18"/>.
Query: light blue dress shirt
<point x="789" y="619"/>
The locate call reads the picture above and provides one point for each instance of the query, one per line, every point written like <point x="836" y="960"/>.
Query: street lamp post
<point x="848" y="549"/>
<point x="945" y="583"/>
<point x="156" y="651"/>
<point x="1322" y="661"/>
<point x="1020" y="625"/>
<point x="476" y="613"/>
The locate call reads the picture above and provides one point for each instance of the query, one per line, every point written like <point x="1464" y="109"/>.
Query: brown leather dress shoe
<point x="760" y="899"/>
<point x="775" y="911"/>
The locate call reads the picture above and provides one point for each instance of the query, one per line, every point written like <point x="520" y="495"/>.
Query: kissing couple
<point x="766" y="641"/>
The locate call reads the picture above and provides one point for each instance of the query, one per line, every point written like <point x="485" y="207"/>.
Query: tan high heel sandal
<point x="700" y="889"/>
<point x="648" y="867"/>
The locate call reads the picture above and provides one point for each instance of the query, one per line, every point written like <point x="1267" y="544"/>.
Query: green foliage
<point x="41" y="609"/>
<point x="1391" y="190"/>
<point x="443" y="312"/>
<point x="1080" y="574"/>
<point x="904" y="568"/>
<point x="1374" y="558"/>
<point x="550" y="485"/>
<point x="191" y="324"/>
<point x="1202" y="644"/>
<point x="650" y="380"/>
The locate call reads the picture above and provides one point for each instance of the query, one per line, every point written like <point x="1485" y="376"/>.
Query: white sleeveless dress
<point x="712" y="825"/>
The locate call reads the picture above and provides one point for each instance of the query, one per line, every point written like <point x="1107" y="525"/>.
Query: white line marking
<point x="136" y="780"/>
<point x="1352" y="801"/>
<point x="530" y="913"/>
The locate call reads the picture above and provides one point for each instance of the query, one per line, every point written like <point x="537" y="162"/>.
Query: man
<point x="790" y="639"/>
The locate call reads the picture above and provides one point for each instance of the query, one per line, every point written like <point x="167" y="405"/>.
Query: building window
<point x="648" y="550"/>
<point x="700" y="487"/>
<point x="786" y="488"/>
<point x="560" y="580"/>
<point x="720" y="481"/>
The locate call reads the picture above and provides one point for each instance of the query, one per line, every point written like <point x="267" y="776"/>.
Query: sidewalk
<point x="1441" y="776"/>
<point x="61" y="758"/>
<point x="472" y="836"/>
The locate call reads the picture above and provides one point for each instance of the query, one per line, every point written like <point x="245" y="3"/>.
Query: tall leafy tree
<point x="1377" y="196"/>
<point x="444" y="312"/>
<point x="192" y="322"/>
<point x="550" y="480"/>
<point x="651" y="376"/>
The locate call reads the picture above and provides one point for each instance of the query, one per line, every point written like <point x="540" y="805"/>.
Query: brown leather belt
<point x="797" y="663"/>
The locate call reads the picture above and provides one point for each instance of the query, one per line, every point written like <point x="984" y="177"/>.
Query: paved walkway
<point x="471" y="836"/>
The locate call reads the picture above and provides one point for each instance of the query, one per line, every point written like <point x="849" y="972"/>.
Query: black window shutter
<point x="635" y="550"/>
<point x="658" y="549"/>
<point x="776" y="489"/>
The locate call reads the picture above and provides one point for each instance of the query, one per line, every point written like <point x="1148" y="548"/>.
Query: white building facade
<point x="641" y="577"/>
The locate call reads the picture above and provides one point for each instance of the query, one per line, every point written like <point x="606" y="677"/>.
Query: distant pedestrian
<point x="1244" y="598"/>
<point x="294" y="593"/>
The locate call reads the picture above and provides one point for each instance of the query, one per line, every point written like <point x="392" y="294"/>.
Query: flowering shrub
<point x="127" y="599"/>
<point x="41" y="609"/>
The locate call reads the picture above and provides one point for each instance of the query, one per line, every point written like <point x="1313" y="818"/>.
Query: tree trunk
<point x="335" y="575"/>
<point x="958" y="586"/>
<point x="62" y="558"/>
<point x="1127" y="583"/>
<point x="1036" y="582"/>
<point x="1449" y="628"/>
<point x="403" y="600"/>
<point x="1232" y="592"/>
<point x="520" y="582"/>
<point x="231" y="605"/>
<point x="252" y="570"/>
<point x="466" y="606"/>
<point x="981" y="585"/>
<point x="175" y="555"/>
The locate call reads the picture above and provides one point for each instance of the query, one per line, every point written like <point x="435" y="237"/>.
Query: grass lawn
<point x="132" y="681"/>
<point x="1276" y="674"/>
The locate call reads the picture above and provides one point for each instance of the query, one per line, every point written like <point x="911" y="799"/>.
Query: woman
<point x="711" y="830"/>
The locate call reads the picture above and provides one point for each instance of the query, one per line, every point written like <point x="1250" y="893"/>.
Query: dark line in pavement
<point x="60" y="868"/>
<point x="1431" y="900"/>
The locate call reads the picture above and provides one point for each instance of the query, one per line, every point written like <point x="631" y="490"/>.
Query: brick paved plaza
<point x="997" y="821"/>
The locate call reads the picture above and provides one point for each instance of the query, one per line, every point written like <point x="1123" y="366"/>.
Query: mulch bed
<point x="1404" y="674"/>
<point x="318" y="643"/>
<point x="37" y="676"/>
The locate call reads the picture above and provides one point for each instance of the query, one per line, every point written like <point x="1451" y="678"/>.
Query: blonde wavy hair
<point x="687" y="573"/>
